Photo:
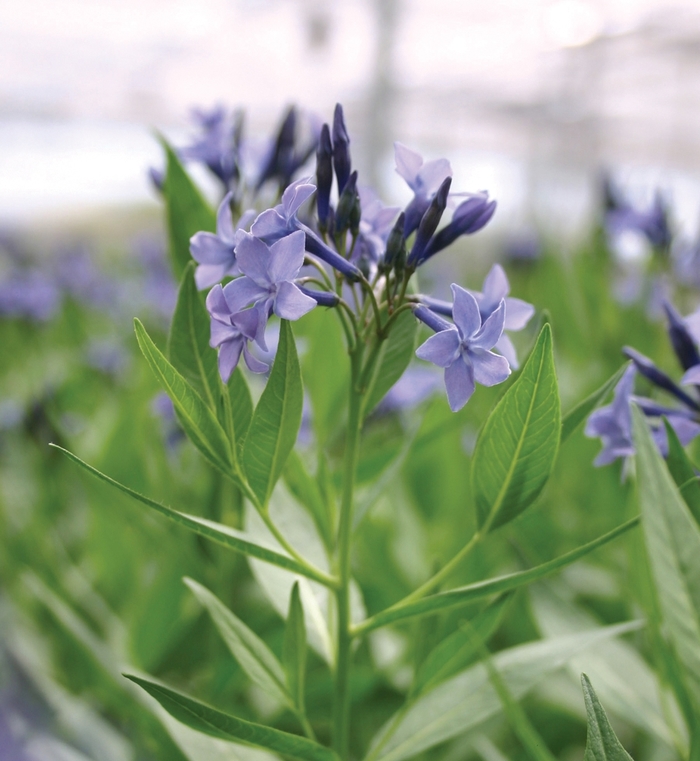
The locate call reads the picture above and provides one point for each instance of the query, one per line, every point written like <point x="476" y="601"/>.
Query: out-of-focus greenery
<point x="92" y="582"/>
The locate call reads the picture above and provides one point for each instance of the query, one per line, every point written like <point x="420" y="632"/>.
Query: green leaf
<point x="294" y="652"/>
<point x="307" y="492"/>
<point x="206" y="719"/>
<point x="573" y="419"/>
<point x="601" y="742"/>
<point x="239" y="407"/>
<point x="469" y="699"/>
<point x="395" y="355"/>
<point x="683" y="472"/>
<point x="477" y="591"/>
<point x="517" y="447"/>
<point x="186" y="211"/>
<point x="673" y="542"/>
<point x="460" y="649"/>
<point x="229" y="537"/>
<point x="276" y="420"/>
<point x="196" y="418"/>
<point x="188" y="342"/>
<point x="253" y="655"/>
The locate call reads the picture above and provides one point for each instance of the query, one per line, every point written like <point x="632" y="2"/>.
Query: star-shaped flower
<point x="215" y="254"/>
<point x="463" y="350"/>
<point x="275" y="223"/>
<point x="269" y="273"/>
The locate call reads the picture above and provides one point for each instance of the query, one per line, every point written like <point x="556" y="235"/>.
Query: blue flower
<point x="423" y="177"/>
<point x="281" y="220"/>
<point x="495" y="291"/>
<point x="613" y="423"/>
<point x="268" y="279"/>
<point x="216" y="253"/>
<point x="217" y="145"/>
<point x="231" y="332"/>
<point x="463" y="349"/>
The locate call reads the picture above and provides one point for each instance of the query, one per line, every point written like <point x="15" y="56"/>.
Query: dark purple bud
<point x="650" y="371"/>
<point x="348" y="199"/>
<point x="682" y="343"/>
<point x="436" y="305"/>
<point x="324" y="176"/>
<point x="428" y="224"/>
<point x="433" y="321"/>
<point x="395" y="246"/>
<point x="315" y="246"/>
<point x="282" y="154"/>
<point x="414" y="213"/>
<point x="341" y="149"/>
<point x="469" y="217"/>
<point x="322" y="298"/>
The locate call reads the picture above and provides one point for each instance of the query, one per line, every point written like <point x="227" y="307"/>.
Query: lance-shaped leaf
<point x="518" y="445"/>
<point x="395" y="355"/>
<point x="673" y="542"/>
<point x="276" y="420"/>
<point x="253" y="655"/>
<point x="186" y="211"/>
<point x="460" y="649"/>
<point x="683" y="472"/>
<point x="218" y="532"/>
<point x="469" y="699"/>
<point x="601" y="742"/>
<point x="477" y="591"/>
<point x="199" y="422"/>
<point x="206" y="719"/>
<point x="294" y="651"/>
<point x="573" y="419"/>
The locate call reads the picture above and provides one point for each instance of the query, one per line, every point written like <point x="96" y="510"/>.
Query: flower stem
<point x="341" y="701"/>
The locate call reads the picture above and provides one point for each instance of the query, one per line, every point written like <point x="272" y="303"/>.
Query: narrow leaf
<point x="276" y="420"/>
<point x="601" y="742"/>
<point x="477" y="591"/>
<point x="573" y="419"/>
<point x="518" y="445"/>
<point x="460" y="649"/>
<point x="253" y="655"/>
<point x="396" y="354"/>
<point x="206" y="719"/>
<point x="469" y="699"/>
<point x="186" y="211"/>
<point x="294" y="652"/>
<point x="197" y="419"/>
<point x="218" y="532"/>
<point x="307" y="492"/>
<point x="683" y="472"/>
<point x="673" y="542"/>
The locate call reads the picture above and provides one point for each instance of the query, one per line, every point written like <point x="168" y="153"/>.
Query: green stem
<point x="341" y="698"/>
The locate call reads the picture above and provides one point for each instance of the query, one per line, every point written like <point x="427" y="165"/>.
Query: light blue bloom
<point x="268" y="278"/>
<point x="613" y="423"/>
<point x="215" y="254"/>
<point x="281" y="220"/>
<point x="463" y="349"/>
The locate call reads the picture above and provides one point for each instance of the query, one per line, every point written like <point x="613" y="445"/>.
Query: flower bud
<point x="428" y="224"/>
<point x="324" y="176"/>
<point x="341" y="149"/>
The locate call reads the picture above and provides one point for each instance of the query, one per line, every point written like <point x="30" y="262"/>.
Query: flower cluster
<point x="613" y="424"/>
<point x="358" y="255"/>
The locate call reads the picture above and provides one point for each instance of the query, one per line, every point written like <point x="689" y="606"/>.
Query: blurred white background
<point x="528" y="99"/>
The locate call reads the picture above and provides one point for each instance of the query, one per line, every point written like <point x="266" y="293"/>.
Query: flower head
<point x="463" y="349"/>
<point x="613" y="423"/>
<point x="281" y="220"/>
<point x="215" y="254"/>
<point x="268" y="284"/>
<point x="217" y="144"/>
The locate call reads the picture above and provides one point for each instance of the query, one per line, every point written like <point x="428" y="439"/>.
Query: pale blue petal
<point x="296" y="195"/>
<point x="489" y="368"/>
<point x="496" y="287"/>
<point x="207" y="248"/>
<point x="224" y="221"/>
<point x="518" y="314"/>
<point x="221" y="332"/>
<point x="254" y="364"/>
<point x="291" y="303"/>
<point x="432" y="174"/>
<point x="270" y="225"/>
<point x="459" y="382"/>
<point x="465" y="312"/>
<point x="491" y="330"/>
<point x="286" y="257"/>
<point x="216" y="304"/>
<point x="253" y="258"/>
<point x="505" y="347"/>
<point x="691" y="376"/>
<point x="242" y="292"/>
<point x="408" y="163"/>
<point x="442" y="349"/>
<point x="229" y="354"/>
<point x="246" y="322"/>
<point x="209" y="274"/>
